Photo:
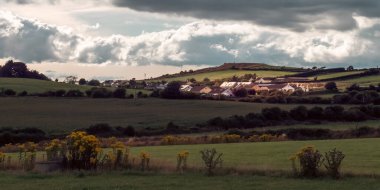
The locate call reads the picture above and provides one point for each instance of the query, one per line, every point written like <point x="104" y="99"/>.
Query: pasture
<point x="187" y="181"/>
<point x="228" y="74"/>
<point x="271" y="158"/>
<point x="56" y="115"/>
<point x="362" y="81"/>
<point x="334" y="75"/>
<point x="37" y="86"/>
<point x="362" y="155"/>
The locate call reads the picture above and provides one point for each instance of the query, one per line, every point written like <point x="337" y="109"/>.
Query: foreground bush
<point x="182" y="160"/>
<point x="212" y="159"/>
<point x="309" y="159"/>
<point x="83" y="150"/>
<point x="334" y="160"/>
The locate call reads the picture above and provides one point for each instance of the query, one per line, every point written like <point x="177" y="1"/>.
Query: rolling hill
<point x="228" y="70"/>
<point x="37" y="86"/>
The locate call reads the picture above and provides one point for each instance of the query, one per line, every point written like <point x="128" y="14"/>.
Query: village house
<point x="217" y="91"/>
<point x="285" y="87"/>
<point x="264" y="80"/>
<point x="201" y="90"/>
<point x="186" y="88"/>
<point x="226" y="85"/>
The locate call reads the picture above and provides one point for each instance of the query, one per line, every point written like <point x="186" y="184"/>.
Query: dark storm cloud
<point x="294" y="14"/>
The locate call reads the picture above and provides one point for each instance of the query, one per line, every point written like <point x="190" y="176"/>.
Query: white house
<point x="186" y="88"/>
<point x="264" y="80"/>
<point x="228" y="93"/>
<point x="286" y="87"/>
<point x="161" y="86"/>
<point x="226" y="85"/>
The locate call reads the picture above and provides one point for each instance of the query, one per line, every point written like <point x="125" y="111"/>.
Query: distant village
<point x="228" y="88"/>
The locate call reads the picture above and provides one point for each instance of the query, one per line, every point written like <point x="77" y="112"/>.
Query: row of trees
<point x="300" y="114"/>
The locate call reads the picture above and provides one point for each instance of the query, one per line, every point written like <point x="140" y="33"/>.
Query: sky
<point x="124" y="39"/>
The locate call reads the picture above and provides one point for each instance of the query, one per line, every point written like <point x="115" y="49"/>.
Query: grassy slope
<point x="62" y="114"/>
<point x="363" y="81"/>
<point x="36" y="86"/>
<point x="338" y="74"/>
<point x="40" y="86"/>
<point x="229" y="73"/>
<point x="139" y="181"/>
<point x="362" y="155"/>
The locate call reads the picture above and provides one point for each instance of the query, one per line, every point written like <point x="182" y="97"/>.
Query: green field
<point x="64" y="114"/>
<point x="362" y="155"/>
<point x="189" y="181"/>
<point x="37" y="86"/>
<point x="362" y="158"/>
<point x="40" y="86"/>
<point x="228" y="74"/>
<point x="334" y="75"/>
<point x="362" y="81"/>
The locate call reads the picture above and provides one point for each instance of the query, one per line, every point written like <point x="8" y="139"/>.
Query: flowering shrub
<point x="174" y="140"/>
<point x="182" y="160"/>
<point x="83" y="150"/>
<point x="118" y="157"/>
<point x="334" y="159"/>
<point x="55" y="150"/>
<point x="267" y="138"/>
<point x="145" y="158"/>
<point x="310" y="161"/>
<point x="2" y="160"/>
<point x="27" y="155"/>
<point x="211" y="159"/>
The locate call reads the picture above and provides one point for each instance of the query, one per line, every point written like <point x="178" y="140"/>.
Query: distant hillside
<point x="37" y="86"/>
<point x="229" y="69"/>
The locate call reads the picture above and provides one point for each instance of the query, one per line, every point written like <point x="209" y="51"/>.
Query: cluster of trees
<point x="105" y="130"/>
<point x="313" y="133"/>
<point x="19" y="70"/>
<point x="93" y="93"/>
<point x="357" y="97"/>
<point x="10" y="135"/>
<point x="300" y="114"/>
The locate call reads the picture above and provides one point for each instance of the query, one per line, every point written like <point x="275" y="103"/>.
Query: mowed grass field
<point x="334" y="75"/>
<point x="362" y="155"/>
<point x="228" y="74"/>
<point x="362" y="158"/>
<point x="40" y="86"/>
<point x="363" y="81"/>
<point x="57" y="115"/>
<point x="37" y="86"/>
<point x="187" y="181"/>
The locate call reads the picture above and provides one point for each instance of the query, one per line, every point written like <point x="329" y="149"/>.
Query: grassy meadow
<point x="337" y="74"/>
<point x="362" y="155"/>
<point x="57" y="115"/>
<point x="188" y="181"/>
<point x="37" y="86"/>
<point x="362" y="81"/>
<point x="362" y="159"/>
<point x="228" y="74"/>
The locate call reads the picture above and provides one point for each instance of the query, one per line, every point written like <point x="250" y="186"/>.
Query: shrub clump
<point x="334" y="160"/>
<point x="310" y="160"/>
<point x="212" y="159"/>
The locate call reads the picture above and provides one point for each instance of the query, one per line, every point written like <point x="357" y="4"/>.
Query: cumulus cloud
<point x="295" y="14"/>
<point x="196" y="43"/>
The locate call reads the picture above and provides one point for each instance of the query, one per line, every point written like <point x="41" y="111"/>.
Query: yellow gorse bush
<point x="55" y="149"/>
<point x="144" y="155"/>
<point x="182" y="160"/>
<point x="145" y="158"/>
<point x="83" y="149"/>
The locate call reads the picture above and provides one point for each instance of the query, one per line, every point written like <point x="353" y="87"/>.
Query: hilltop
<point x="228" y="70"/>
